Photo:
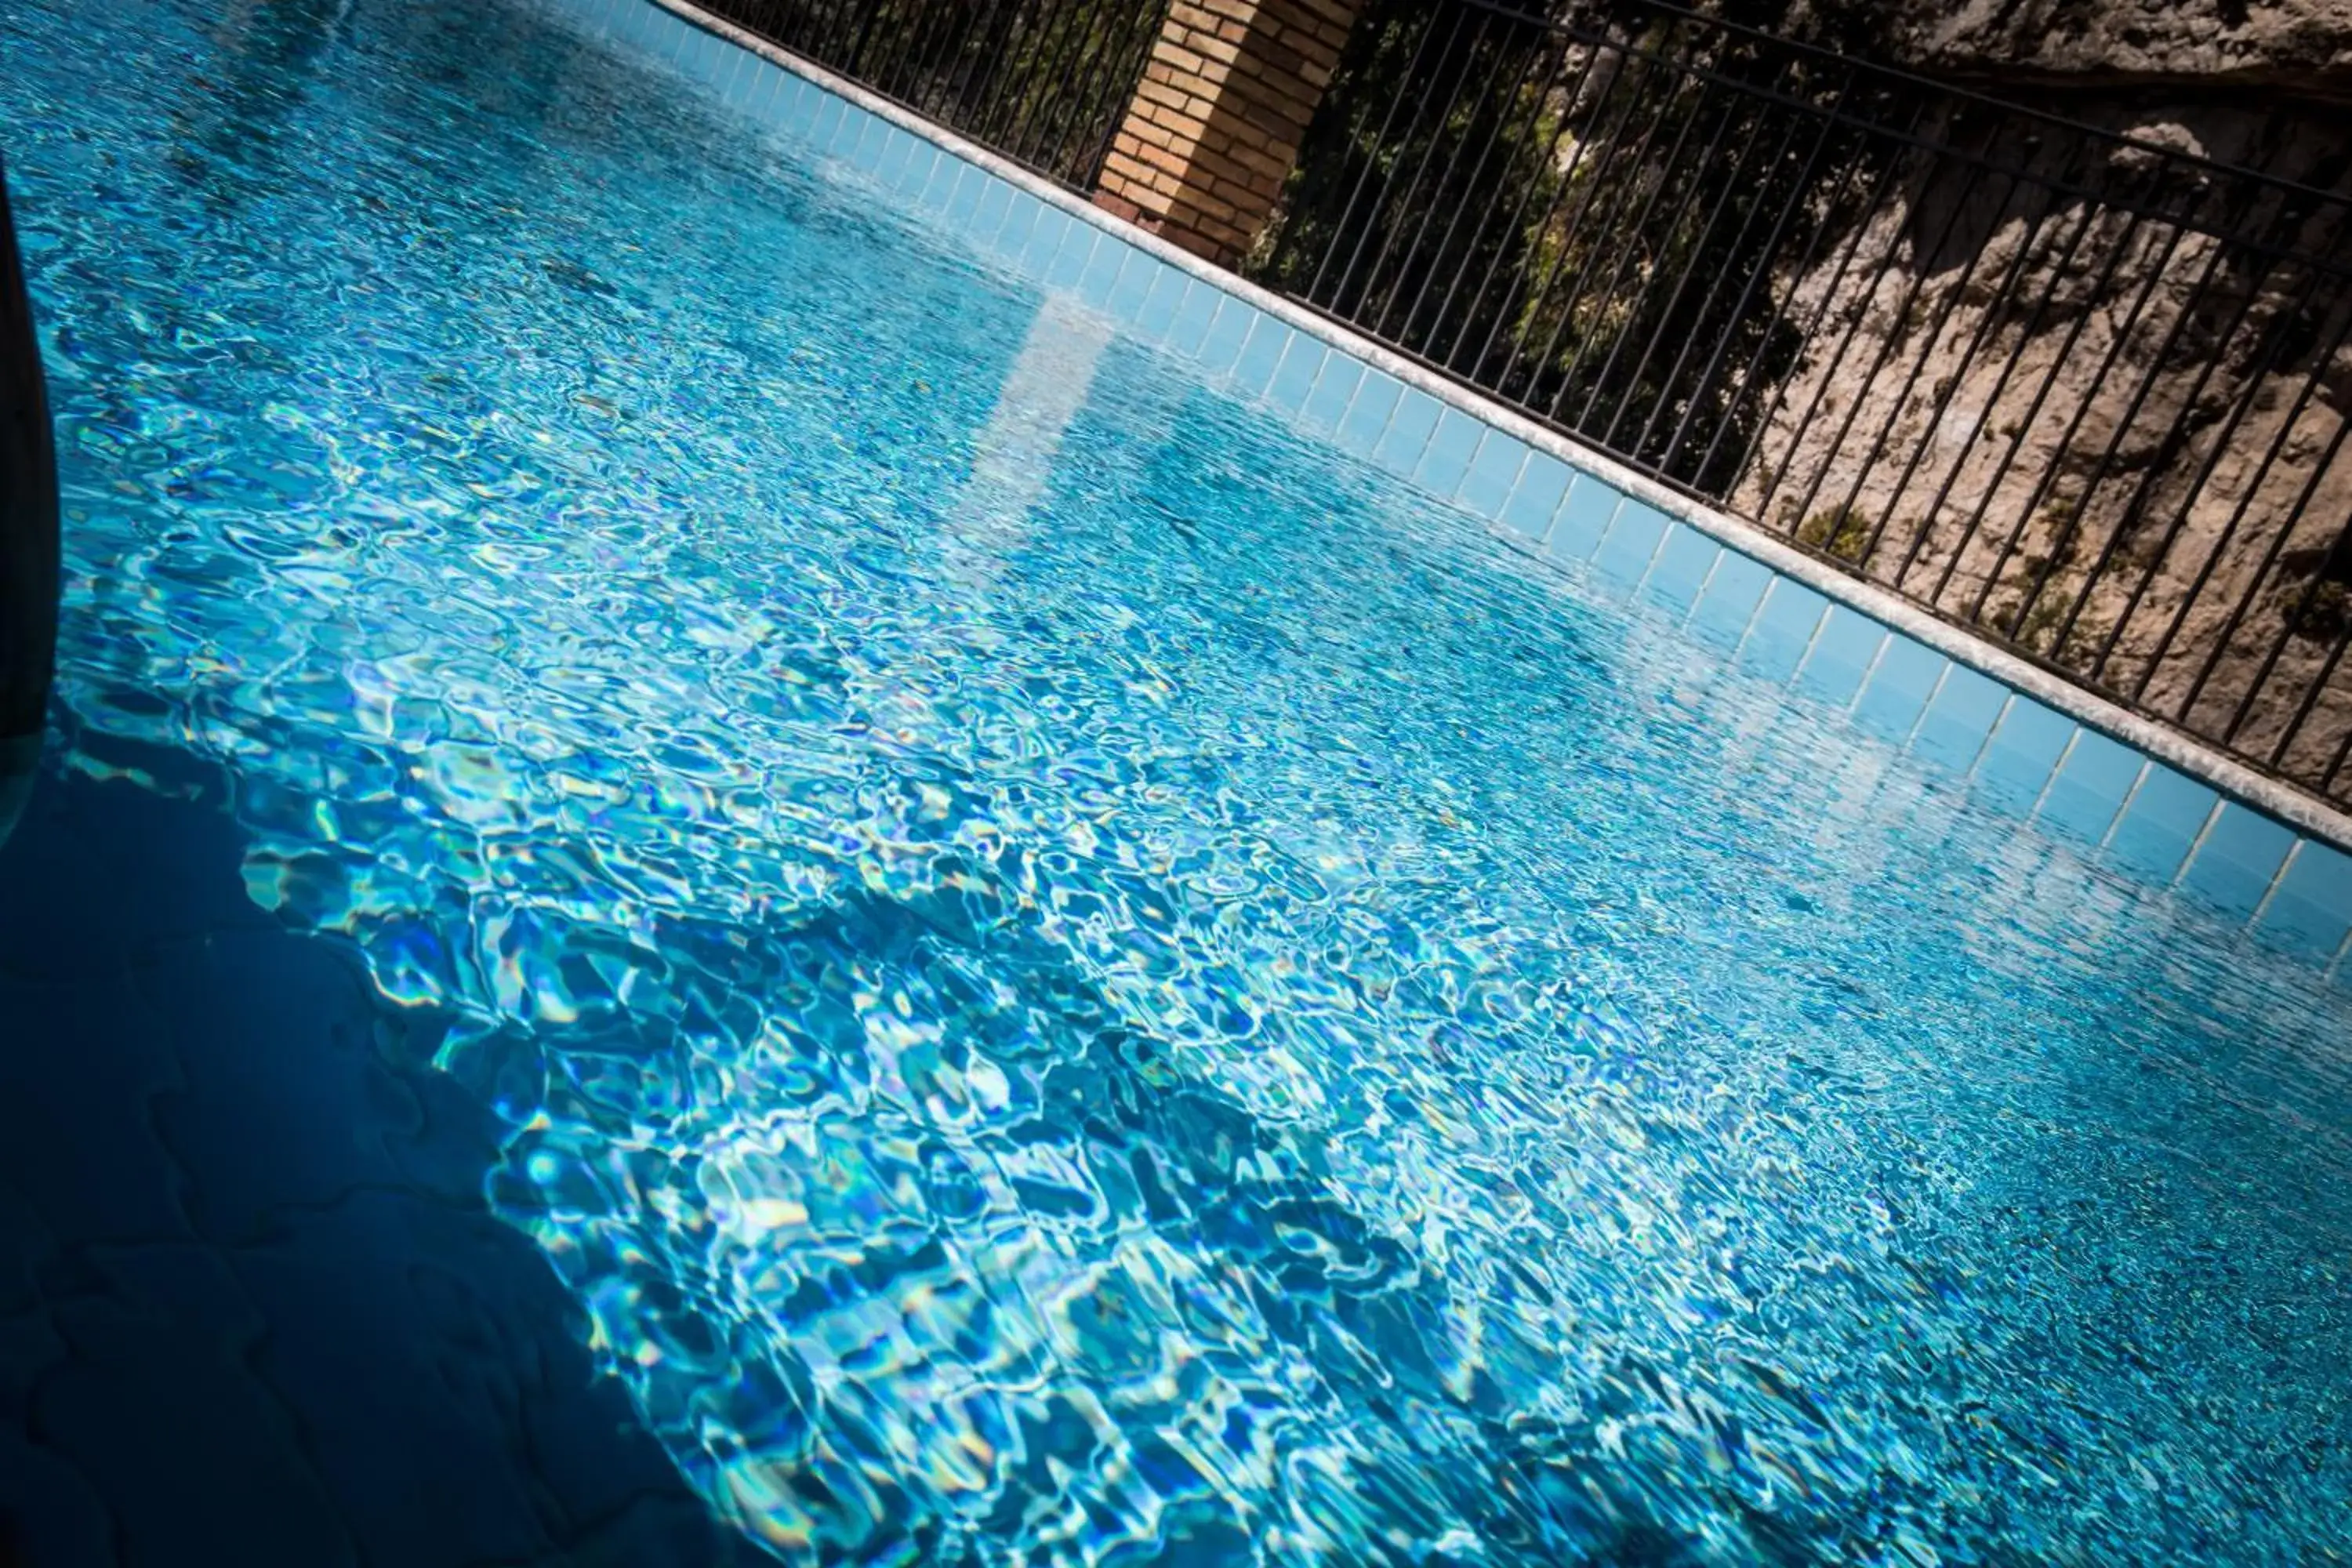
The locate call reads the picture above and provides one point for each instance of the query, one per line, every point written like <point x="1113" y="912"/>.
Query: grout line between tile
<point x="1984" y="742"/>
<point x="2204" y="832"/>
<point x="2050" y="779"/>
<point x="2278" y="879"/>
<point x="1928" y="707"/>
<point x="2123" y="807"/>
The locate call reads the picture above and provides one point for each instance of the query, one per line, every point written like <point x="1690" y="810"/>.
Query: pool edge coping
<point x="2274" y="798"/>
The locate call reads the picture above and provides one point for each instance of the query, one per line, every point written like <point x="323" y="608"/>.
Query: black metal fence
<point x="2086" y="396"/>
<point x="1044" y="82"/>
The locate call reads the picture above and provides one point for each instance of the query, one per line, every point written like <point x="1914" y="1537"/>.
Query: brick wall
<point x="1217" y="121"/>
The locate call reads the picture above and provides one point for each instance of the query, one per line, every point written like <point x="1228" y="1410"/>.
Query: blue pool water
<point x="1061" y="972"/>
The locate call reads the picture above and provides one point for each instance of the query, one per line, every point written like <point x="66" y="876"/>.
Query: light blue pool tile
<point x="1101" y="274"/>
<point x="1366" y="423"/>
<point x="988" y="215"/>
<point x="658" y="32"/>
<point x="1074" y="254"/>
<point x="890" y="164"/>
<point x="2238" y="859"/>
<point x="2089" y="786"/>
<point x="1685" y="560"/>
<point x="1261" y="354"/>
<point x="1045" y="242"/>
<point x="1137" y="272"/>
<point x="858" y="143"/>
<point x="1194" y="313"/>
<point x="2160" y="823"/>
<point x="1534" y="501"/>
<point x="1584" y="518"/>
<point x="1445" y="459"/>
<point x="766" y="81"/>
<point x="1220" y="345"/>
<point x="735" y="74"/>
<point x="1631" y="541"/>
<point x="1408" y="434"/>
<point x="663" y="34"/>
<point x="2311" y="911"/>
<point x="725" y="59"/>
<point x="703" y="55"/>
<point x="629" y="24"/>
<point x="761" y="86"/>
<point x="651" y="29"/>
<point x="1294" y="378"/>
<point x="795" y="105"/>
<point x="1729" y="601"/>
<point x="760" y="82"/>
<point x="842" y="134"/>
<point x="1157" y="314"/>
<point x="1959" y="719"/>
<point x="781" y="106"/>
<point x="1494" y="474"/>
<point x="963" y="202"/>
<point x="1906" y="675"/>
<point x="876" y="141"/>
<point x="2026" y="742"/>
<point x="772" y="105"/>
<point x="1020" y="226"/>
<point x="1847" y="645"/>
<point x="825" y="121"/>
<point x="1335" y="388"/>
<point x="1782" y="632"/>
<point x="939" y="178"/>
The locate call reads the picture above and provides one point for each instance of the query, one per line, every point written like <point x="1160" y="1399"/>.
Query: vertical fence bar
<point x="1453" y="220"/>
<point x="1514" y="223"/>
<point x="2274" y="343"/>
<point x="1371" y="163"/>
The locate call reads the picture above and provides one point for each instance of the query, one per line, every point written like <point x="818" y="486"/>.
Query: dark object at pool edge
<point x="29" y="534"/>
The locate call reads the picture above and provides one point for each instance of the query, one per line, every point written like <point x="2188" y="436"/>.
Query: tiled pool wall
<point x="2143" y="798"/>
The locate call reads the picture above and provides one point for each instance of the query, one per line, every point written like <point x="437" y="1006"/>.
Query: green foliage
<point x="1586" y="221"/>
<point x="1842" y="531"/>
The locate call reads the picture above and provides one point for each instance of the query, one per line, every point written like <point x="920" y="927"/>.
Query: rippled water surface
<point x="1077" y="977"/>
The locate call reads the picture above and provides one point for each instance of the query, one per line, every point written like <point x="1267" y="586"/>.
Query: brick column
<point x="1213" y="129"/>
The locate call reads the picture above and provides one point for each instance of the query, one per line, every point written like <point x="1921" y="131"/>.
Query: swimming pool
<point x="1068" y="971"/>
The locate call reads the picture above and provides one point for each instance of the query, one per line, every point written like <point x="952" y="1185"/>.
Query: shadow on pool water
<point x="253" y="1308"/>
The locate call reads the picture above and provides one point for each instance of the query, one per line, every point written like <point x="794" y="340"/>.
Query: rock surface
<point x="2116" y="440"/>
<point x="2304" y="47"/>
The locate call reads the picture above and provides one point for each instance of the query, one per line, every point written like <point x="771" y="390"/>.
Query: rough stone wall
<point x="2014" y="399"/>
<point x="2301" y="47"/>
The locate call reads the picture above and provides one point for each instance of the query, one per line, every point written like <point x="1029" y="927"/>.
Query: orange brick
<point x="1339" y="14"/>
<point x="1162" y="93"/>
<point x="1264" y="163"/>
<point x="1211" y="46"/>
<point x="1186" y="128"/>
